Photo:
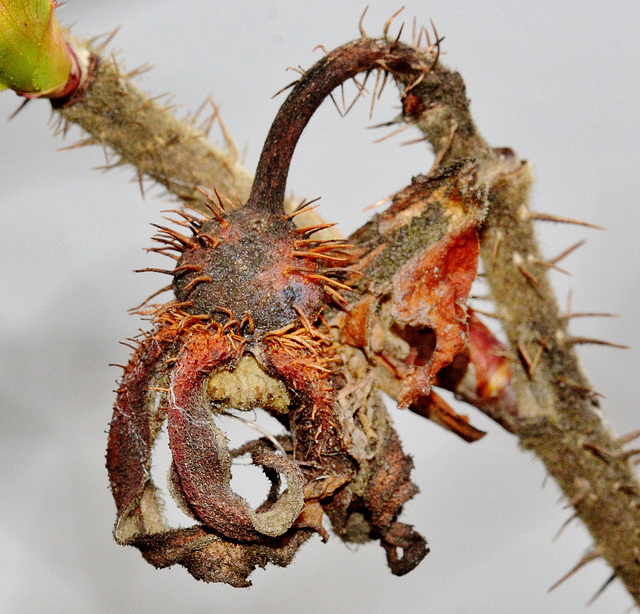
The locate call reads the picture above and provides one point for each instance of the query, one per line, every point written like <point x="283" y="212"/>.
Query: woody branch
<point x="557" y="410"/>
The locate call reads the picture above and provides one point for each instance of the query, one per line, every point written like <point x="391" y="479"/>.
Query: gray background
<point x="558" y="82"/>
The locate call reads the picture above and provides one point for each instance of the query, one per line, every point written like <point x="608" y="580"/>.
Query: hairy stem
<point x="335" y="68"/>
<point x="557" y="410"/>
<point x="147" y="135"/>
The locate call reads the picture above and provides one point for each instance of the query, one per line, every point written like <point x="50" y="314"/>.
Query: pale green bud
<point x="35" y="59"/>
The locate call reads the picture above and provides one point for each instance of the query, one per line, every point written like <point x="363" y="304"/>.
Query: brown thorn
<point x="178" y="222"/>
<point x="395" y="42"/>
<point x="303" y="207"/>
<point x="547" y="264"/>
<point x="565" y="524"/>
<point x="305" y="203"/>
<point x="108" y="37"/>
<point x="360" y="26"/>
<point x="187" y="216"/>
<point x="384" y="82"/>
<point x="601" y="590"/>
<point x="589" y="556"/>
<point x="420" y="139"/>
<point x="153" y="270"/>
<point x="374" y="95"/>
<point x="316" y="256"/>
<point x="229" y="142"/>
<point x="579" y="387"/>
<point x="437" y="42"/>
<point x="361" y="91"/>
<point x="544" y="343"/>
<point x="191" y="206"/>
<point x="81" y="143"/>
<point x="335" y="104"/>
<point x="209" y="240"/>
<point x="285" y="88"/>
<point x="389" y="21"/>
<point x="186" y="241"/>
<point x="547" y="217"/>
<point x="361" y="86"/>
<point x="342" y="270"/>
<point x="422" y="29"/>
<point x="575" y="500"/>
<point x="220" y="203"/>
<point x="589" y="340"/>
<point x="379" y="203"/>
<point x="309" y="230"/>
<point x="569" y="303"/>
<point x="567" y="251"/>
<point x="187" y="267"/>
<point x="301" y="71"/>
<point x="627" y="454"/>
<point x="536" y="358"/>
<point x="247" y="321"/>
<point x="444" y="150"/>
<point x="328" y="280"/>
<point x="140" y="70"/>
<point x="165" y="289"/>
<point x="163" y="252"/>
<point x="590" y="314"/>
<point x="599" y="451"/>
<point x="392" y="122"/>
<point x="304" y="320"/>
<point x="207" y="124"/>
<point x="140" y="177"/>
<point x="331" y="245"/>
<point x="524" y="354"/>
<point x="393" y="133"/>
<point x="196" y="281"/>
<point x="324" y="321"/>
<point x="340" y="300"/>
<point x="528" y="275"/>
<point x="413" y="84"/>
<point x="213" y="206"/>
<point x="222" y="197"/>
<point x="168" y="242"/>
<point x="629" y="437"/>
<point x="194" y="118"/>
<point x="173" y="305"/>
<point x="496" y="244"/>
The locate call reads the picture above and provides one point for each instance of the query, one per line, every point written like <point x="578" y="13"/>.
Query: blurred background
<point x="557" y="82"/>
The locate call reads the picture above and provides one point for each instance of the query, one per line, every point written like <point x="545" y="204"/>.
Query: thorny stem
<point x="334" y="69"/>
<point x="556" y="409"/>
<point x="147" y="135"/>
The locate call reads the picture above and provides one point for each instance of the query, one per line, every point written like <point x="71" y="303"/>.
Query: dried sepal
<point x="426" y="243"/>
<point x="430" y="292"/>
